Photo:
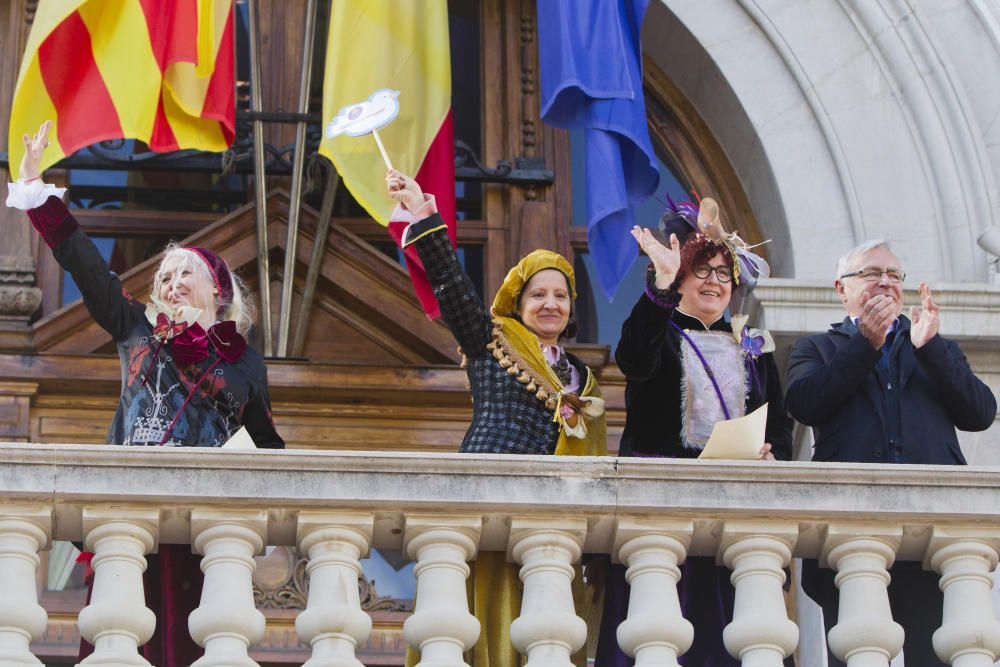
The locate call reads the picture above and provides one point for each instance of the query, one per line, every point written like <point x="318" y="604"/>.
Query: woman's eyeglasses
<point x="723" y="273"/>
<point x="873" y="274"/>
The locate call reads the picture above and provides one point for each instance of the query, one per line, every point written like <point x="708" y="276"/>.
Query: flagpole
<point x="316" y="259"/>
<point x="294" y="206"/>
<point x="260" y="187"/>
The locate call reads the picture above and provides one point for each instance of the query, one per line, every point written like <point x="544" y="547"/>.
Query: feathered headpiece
<point x="685" y="218"/>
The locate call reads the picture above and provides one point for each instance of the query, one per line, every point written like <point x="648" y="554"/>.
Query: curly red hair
<point x="698" y="249"/>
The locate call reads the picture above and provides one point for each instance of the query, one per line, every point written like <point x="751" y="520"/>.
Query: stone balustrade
<point x="543" y="512"/>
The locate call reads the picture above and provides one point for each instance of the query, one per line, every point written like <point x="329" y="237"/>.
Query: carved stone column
<point x="441" y="627"/>
<point x="548" y="630"/>
<point x="966" y="557"/>
<point x="865" y="634"/>
<point x="333" y="623"/>
<point x="227" y="621"/>
<point x="23" y="531"/>
<point x="761" y="634"/>
<point x="117" y="621"/>
<point x="655" y="632"/>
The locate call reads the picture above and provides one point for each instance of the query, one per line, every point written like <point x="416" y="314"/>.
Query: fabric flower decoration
<point x="176" y="321"/>
<point x="166" y="329"/>
<point x="191" y="347"/>
<point x="752" y="346"/>
<point x="187" y="339"/>
<point x="574" y="412"/>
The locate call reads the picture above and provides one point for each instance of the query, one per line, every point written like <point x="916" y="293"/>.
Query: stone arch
<point x="844" y="121"/>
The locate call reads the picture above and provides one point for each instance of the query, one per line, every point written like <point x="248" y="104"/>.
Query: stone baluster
<point x="865" y="634"/>
<point x="226" y="621"/>
<point x="548" y="630"/>
<point x="24" y="530"/>
<point x="333" y="623"/>
<point x="965" y="558"/>
<point x="655" y="632"/>
<point x="761" y="634"/>
<point x="117" y="621"/>
<point x="441" y="627"/>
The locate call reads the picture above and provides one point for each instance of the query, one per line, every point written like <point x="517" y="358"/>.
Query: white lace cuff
<point x="26" y="196"/>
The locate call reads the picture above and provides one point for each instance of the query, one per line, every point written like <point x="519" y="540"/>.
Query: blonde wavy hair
<point x="240" y="308"/>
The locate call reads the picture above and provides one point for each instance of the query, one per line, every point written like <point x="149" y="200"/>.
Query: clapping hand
<point x="925" y="320"/>
<point x="34" y="146"/>
<point x="666" y="261"/>
<point x="877" y="315"/>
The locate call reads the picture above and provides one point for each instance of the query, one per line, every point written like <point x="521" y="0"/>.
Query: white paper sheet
<point x="739" y="438"/>
<point x="240" y="440"/>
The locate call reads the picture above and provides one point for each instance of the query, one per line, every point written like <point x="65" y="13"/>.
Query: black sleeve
<point x="968" y="400"/>
<point x="257" y="416"/>
<point x="108" y="303"/>
<point x="461" y="308"/>
<point x="103" y="295"/>
<point x="641" y="345"/>
<point x="816" y="387"/>
<point x="779" y="425"/>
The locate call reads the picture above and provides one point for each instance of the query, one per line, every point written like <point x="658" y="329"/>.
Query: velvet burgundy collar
<point x="189" y="342"/>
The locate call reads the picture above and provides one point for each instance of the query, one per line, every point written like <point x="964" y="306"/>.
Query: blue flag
<point x="591" y="75"/>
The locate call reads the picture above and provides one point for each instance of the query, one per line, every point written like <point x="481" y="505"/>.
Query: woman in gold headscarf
<point x="529" y="396"/>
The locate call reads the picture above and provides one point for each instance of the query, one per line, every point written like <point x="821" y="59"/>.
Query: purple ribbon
<point x="708" y="369"/>
<point x="651" y="295"/>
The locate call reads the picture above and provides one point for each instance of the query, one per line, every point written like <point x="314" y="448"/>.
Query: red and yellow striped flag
<point x="161" y="71"/>
<point x="401" y="45"/>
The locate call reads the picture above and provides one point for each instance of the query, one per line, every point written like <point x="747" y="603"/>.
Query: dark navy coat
<point x="833" y="387"/>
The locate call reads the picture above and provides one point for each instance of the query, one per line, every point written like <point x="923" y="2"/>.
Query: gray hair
<point x="845" y="261"/>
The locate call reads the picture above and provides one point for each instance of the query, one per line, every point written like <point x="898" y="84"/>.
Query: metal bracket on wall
<point x="119" y="155"/>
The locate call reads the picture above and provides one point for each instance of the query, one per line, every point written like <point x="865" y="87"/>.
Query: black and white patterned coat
<point x="506" y="419"/>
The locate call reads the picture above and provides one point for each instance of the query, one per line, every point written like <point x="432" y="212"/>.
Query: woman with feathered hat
<point x="529" y="396"/>
<point x="687" y="366"/>
<point x="188" y="377"/>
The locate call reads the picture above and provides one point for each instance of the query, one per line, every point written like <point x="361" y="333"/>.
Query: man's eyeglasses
<point x="723" y="273"/>
<point x="873" y="274"/>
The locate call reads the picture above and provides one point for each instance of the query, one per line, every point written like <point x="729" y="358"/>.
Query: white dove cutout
<point x="361" y="118"/>
<point x="358" y="119"/>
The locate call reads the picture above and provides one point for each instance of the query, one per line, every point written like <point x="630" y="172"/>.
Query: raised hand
<point x="925" y="320"/>
<point x="404" y="190"/>
<point x="666" y="261"/>
<point x="34" y="146"/>
<point x="876" y="317"/>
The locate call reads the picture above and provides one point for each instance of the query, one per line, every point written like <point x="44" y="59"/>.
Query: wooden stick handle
<point x="381" y="148"/>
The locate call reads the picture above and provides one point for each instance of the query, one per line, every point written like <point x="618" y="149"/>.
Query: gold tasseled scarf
<point x="583" y="428"/>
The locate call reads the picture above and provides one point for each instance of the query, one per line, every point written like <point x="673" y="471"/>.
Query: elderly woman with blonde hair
<point x="188" y="377"/>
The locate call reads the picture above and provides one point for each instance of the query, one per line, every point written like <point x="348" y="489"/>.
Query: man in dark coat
<point x="881" y="388"/>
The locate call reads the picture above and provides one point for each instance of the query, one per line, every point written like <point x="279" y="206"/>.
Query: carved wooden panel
<point x="15" y="407"/>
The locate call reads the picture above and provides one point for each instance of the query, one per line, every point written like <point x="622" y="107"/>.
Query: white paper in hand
<point x="739" y="438"/>
<point x="240" y="440"/>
